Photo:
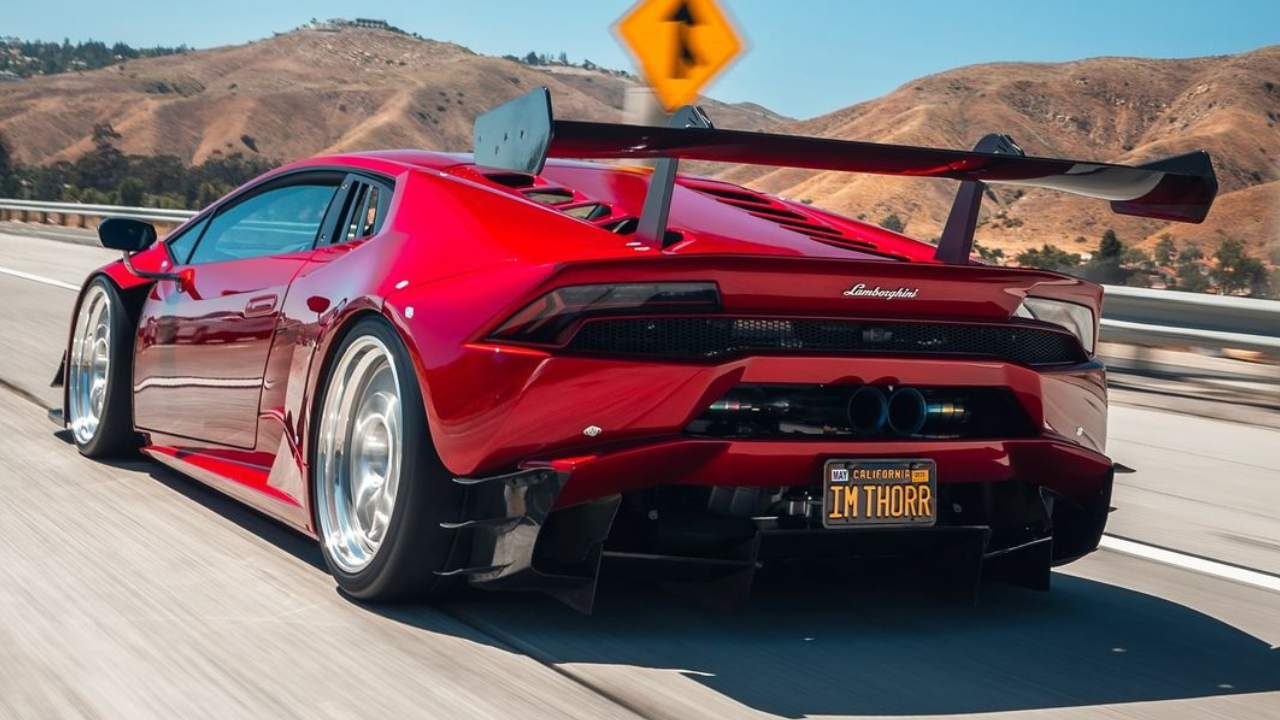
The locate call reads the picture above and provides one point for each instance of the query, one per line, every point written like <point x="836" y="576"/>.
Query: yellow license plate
<point x="879" y="492"/>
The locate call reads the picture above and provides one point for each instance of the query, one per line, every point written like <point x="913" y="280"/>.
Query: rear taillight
<point x="1076" y="318"/>
<point x="545" y="321"/>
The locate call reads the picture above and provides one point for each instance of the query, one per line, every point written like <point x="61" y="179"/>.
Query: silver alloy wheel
<point x="89" y="364"/>
<point x="358" y="453"/>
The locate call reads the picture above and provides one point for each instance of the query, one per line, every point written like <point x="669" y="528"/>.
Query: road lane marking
<point x="38" y="278"/>
<point x="1191" y="562"/>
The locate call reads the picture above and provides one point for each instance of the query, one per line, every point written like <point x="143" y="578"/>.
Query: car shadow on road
<point x="813" y="648"/>
<point x="820" y="646"/>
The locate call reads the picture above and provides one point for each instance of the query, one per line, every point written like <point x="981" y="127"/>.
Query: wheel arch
<point x="322" y="360"/>
<point x="132" y="295"/>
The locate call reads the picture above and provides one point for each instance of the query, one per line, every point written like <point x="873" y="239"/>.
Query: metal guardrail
<point x="1139" y="316"/>
<point x="25" y="209"/>
<point x="1130" y="315"/>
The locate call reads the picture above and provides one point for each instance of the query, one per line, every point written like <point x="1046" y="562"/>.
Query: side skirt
<point x="244" y="482"/>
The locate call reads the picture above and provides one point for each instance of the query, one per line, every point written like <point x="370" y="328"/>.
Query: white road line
<point x="38" y="278"/>
<point x="1191" y="562"/>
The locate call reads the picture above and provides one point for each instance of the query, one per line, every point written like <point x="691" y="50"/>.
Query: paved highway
<point x="130" y="592"/>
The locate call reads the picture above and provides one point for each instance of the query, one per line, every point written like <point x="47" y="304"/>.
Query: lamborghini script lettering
<point x="861" y="290"/>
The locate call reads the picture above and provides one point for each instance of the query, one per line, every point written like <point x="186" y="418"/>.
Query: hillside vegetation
<point x="1109" y="109"/>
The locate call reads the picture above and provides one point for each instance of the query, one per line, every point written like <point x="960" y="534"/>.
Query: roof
<point x="721" y="217"/>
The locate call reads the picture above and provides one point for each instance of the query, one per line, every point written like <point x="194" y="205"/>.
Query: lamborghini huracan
<point x="500" y="368"/>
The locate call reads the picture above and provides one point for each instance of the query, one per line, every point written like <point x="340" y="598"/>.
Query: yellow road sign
<point x="679" y="45"/>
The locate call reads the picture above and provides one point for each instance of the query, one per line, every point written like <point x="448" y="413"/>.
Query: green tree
<point x="991" y="255"/>
<point x="6" y="157"/>
<point x="131" y="191"/>
<point x="1238" y="271"/>
<point x="893" y="222"/>
<point x="1138" y="257"/>
<point x="1190" y="253"/>
<point x="105" y="136"/>
<point x="1165" y="250"/>
<point x="10" y="185"/>
<point x="1190" y="277"/>
<point x="159" y="174"/>
<point x="1110" y="248"/>
<point x="47" y="182"/>
<point x="1105" y="265"/>
<point x="27" y="58"/>
<point x="103" y="167"/>
<point x="207" y="193"/>
<point x="1048" y="257"/>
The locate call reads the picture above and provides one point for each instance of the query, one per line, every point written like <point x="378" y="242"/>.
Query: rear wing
<point x="521" y="135"/>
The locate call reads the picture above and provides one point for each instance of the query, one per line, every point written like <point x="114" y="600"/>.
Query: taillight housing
<point x="1076" y="318"/>
<point x="548" y="320"/>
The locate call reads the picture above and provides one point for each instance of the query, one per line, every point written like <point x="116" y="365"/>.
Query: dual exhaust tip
<point x="902" y="412"/>
<point x="870" y="410"/>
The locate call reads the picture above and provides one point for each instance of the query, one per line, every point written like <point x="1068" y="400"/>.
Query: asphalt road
<point x="128" y="591"/>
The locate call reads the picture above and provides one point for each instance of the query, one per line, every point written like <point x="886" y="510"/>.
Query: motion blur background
<point x="158" y="108"/>
<point x="178" y="609"/>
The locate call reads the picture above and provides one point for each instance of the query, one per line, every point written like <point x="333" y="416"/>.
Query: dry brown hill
<point x="309" y="91"/>
<point x="299" y="94"/>
<point x="1109" y="109"/>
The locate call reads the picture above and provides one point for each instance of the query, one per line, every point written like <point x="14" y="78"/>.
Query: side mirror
<point x="131" y="236"/>
<point x="126" y="234"/>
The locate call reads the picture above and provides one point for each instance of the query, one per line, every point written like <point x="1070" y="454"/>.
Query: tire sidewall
<point x="115" y="434"/>
<point x="415" y="546"/>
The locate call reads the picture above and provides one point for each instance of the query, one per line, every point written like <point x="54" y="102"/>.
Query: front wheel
<point x="379" y="488"/>
<point x="99" y="368"/>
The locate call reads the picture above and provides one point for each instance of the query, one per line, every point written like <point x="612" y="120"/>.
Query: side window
<point x="364" y="213"/>
<point x="277" y="221"/>
<point x="180" y="245"/>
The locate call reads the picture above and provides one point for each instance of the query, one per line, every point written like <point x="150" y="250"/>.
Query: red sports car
<point x="494" y="369"/>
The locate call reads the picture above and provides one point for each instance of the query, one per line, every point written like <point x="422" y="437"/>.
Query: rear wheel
<point x="99" y="367"/>
<point x="380" y="490"/>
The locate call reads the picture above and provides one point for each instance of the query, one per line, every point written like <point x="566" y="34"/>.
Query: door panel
<point x="202" y="350"/>
<point x="203" y="344"/>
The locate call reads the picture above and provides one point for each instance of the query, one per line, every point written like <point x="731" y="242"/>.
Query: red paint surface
<point x="459" y="254"/>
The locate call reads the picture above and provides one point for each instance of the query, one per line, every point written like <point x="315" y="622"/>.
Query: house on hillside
<point x="369" y="24"/>
<point x="340" y="24"/>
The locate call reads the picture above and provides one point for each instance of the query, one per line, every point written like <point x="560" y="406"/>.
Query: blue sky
<point x="806" y="57"/>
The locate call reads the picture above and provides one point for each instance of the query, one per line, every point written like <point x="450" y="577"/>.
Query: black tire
<point x="414" y="547"/>
<point x="113" y="435"/>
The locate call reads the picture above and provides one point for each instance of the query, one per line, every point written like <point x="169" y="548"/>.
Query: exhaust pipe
<point x="946" y="411"/>
<point x="907" y="411"/>
<point x="868" y="410"/>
